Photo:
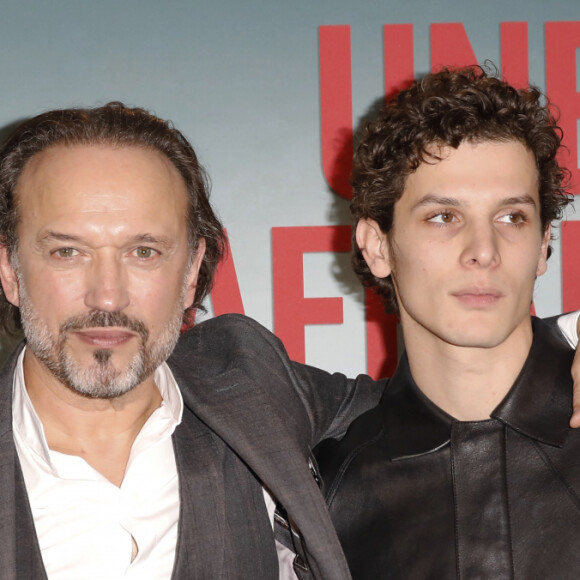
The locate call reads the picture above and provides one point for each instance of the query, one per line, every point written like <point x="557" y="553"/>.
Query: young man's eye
<point x="444" y="217"/>
<point x="515" y="218"/>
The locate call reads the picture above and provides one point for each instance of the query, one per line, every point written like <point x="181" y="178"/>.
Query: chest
<point x="491" y="504"/>
<point x="222" y="528"/>
<point x="79" y="515"/>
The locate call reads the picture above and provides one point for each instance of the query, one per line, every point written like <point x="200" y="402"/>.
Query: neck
<point x="102" y="431"/>
<point x="468" y="383"/>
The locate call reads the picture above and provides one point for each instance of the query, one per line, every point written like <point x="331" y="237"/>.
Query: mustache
<point x="100" y="319"/>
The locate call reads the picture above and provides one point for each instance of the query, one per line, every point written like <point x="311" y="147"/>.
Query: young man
<point x="467" y="468"/>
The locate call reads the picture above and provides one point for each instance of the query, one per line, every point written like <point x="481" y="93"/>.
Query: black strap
<point x="288" y="534"/>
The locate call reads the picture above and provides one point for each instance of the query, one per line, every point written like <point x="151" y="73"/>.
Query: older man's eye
<point x="65" y="252"/>
<point x="144" y="252"/>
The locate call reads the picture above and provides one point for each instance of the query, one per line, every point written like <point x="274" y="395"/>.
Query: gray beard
<point x="101" y="379"/>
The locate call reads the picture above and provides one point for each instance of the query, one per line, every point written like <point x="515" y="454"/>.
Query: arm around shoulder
<point x="333" y="401"/>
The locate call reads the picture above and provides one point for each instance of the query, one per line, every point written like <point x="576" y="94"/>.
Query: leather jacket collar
<point x="538" y="405"/>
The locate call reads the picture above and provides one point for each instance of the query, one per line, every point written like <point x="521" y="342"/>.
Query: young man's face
<point x="466" y="245"/>
<point x="102" y="277"/>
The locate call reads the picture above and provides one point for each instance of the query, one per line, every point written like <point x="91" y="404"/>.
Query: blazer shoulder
<point x="234" y="326"/>
<point x="216" y="344"/>
<point x="230" y="328"/>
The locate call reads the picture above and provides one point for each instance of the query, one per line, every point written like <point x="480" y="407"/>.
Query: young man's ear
<point x="374" y="245"/>
<point x="543" y="258"/>
<point x="9" y="278"/>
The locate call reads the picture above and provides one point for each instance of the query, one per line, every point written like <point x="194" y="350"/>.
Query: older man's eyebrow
<point x="162" y="241"/>
<point x="53" y="236"/>
<point x="50" y="236"/>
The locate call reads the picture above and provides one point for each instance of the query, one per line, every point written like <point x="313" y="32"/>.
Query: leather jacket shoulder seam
<point x="559" y="477"/>
<point x="345" y="465"/>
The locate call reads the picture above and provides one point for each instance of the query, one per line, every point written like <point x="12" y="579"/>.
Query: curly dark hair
<point x="447" y="108"/>
<point x="120" y="126"/>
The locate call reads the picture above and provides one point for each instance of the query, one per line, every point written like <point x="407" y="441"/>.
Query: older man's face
<point x="103" y="269"/>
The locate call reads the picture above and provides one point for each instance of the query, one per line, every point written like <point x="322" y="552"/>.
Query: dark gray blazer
<point x="251" y="418"/>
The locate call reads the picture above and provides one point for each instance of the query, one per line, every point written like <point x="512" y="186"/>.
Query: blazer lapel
<point x="240" y="407"/>
<point x="224" y="530"/>
<point x="19" y="551"/>
<point x="7" y="499"/>
<point x="200" y="549"/>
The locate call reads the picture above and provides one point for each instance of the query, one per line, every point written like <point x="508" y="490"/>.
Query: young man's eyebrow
<point x="520" y="200"/>
<point x="431" y="199"/>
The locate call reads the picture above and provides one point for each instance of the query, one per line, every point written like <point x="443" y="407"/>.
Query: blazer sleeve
<point x="315" y="403"/>
<point x="333" y="401"/>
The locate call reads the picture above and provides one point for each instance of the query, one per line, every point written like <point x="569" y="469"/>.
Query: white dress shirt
<point x="85" y="524"/>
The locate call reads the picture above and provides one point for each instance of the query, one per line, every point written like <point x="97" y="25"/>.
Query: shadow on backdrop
<point x="382" y="328"/>
<point x="7" y="343"/>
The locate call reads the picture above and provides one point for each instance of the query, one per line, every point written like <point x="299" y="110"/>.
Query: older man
<point x="114" y="463"/>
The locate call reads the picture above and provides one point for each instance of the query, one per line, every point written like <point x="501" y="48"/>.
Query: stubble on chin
<point x="102" y="378"/>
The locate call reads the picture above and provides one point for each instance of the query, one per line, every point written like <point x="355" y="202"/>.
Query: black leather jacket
<point x="415" y="494"/>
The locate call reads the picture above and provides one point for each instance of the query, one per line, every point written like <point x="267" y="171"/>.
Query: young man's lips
<point x="478" y="297"/>
<point x="104" y="337"/>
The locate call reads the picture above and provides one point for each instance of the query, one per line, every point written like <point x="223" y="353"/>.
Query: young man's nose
<point x="481" y="246"/>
